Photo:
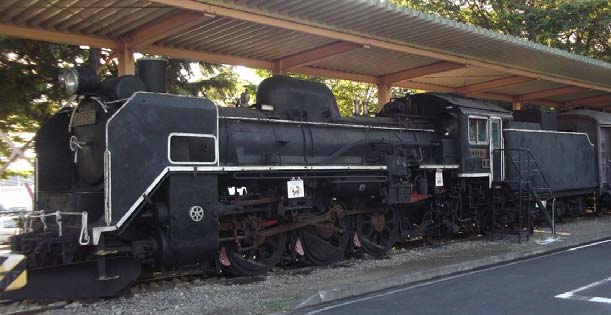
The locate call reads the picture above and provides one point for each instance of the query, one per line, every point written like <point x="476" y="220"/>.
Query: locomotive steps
<point x="458" y="259"/>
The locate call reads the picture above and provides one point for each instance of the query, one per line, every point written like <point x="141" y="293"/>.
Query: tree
<point x="582" y="27"/>
<point x="219" y="83"/>
<point x="349" y="94"/>
<point x="31" y="93"/>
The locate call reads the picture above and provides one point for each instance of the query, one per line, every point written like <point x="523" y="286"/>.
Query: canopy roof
<point x="361" y="40"/>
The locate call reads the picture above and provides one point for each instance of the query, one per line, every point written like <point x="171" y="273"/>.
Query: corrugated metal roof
<point x="373" y="61"/>
<point x="486" y="56"/>
<point x="380" y="19"/>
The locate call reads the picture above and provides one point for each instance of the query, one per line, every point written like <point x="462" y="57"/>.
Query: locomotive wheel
<point x="377" y="231"/>
<point x="325" y="244"/>
<point x="256" y="259"/>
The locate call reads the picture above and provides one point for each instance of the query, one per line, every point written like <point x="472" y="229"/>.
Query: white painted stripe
<point x="192" y="168"/>
<point x="324" y="124"/>
<point x="600" y="300"/>
<point x="552" y="132"/>
<point x="589" y="286"/>
<point x="571" y="295"/>
<point x="436" y="166"/>
<point x="588" y="245"/>
<point x="474" y="175"/>
<point x="290" y="168"/>
<point x="371" y="297"/>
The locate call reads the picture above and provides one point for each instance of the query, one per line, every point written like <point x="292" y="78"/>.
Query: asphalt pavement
<point x="573" y="281"/>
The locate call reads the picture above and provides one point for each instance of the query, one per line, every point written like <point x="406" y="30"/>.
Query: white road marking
<point x="571" y="295"/>
<point x="584" y="246"/>
<point x="366" y="298"/>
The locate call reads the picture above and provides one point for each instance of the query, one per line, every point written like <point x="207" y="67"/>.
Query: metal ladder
<point x="528" y="189"/>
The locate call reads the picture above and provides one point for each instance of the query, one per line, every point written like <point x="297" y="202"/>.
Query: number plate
<point x="294" y="188"/>
<point x="439" y="178"/>
<point x="83" y="118"/>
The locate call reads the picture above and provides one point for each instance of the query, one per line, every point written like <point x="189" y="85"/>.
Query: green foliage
<point x="582" y="27"/>
<point x="217" y="82"/>
<point x="350" y="95"/>
<point x="31" y="93"/>
<point x="29" y="71"/>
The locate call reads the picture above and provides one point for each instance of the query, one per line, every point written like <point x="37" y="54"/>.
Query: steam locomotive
<point x="133" y="182"/>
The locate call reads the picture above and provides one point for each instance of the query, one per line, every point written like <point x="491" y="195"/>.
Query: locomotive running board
<point x="77" y="281"/>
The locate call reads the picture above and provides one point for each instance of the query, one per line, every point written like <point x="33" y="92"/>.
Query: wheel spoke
<point x="326" y="245"/>
<point x="257" y="260"/>
<point x="377" y="231"/>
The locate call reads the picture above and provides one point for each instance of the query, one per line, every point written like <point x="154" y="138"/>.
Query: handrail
<point x="530" y="157"/>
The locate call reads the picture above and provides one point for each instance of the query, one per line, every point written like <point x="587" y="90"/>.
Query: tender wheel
<point x="325" y="244"/>
<point x="256" y="257"/>
<point x="377" y="231"/>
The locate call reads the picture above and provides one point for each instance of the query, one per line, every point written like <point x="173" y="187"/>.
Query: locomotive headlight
<point x="69" y="78"/>
<point x="79" y="80"/>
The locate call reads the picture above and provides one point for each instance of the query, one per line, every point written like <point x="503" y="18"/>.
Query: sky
<point x="248" y="74"/>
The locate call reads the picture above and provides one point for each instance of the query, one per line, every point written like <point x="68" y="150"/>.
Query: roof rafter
<point x="552" y="92"/>
<point x="335" y="74"/>
<point x="169" y="24"/>
<point x="206" y="57"/>
<point x="363" y="40"/>
<point x="493" y="84"/>
<point x="59" y="37"/>
<point x="425" y="87"/>
<point x="409" y="84"/>
<point x="419" y="72"/>
<point x="316" y="54"/>
<point x="595" y="100"/>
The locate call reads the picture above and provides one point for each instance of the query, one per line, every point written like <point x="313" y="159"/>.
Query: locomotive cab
<point x="469" y="131"/>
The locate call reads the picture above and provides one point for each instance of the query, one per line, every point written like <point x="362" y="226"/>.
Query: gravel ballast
<point x="289" y="287"/>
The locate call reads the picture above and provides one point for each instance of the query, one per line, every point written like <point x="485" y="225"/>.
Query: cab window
<point x="496" y="133"/>
<point x="478" y="131"/>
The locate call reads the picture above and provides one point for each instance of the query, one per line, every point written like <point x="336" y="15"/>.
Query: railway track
<point x="166" y="281"/>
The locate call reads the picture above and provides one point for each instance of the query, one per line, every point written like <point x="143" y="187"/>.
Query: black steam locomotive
<point x="133" y="182"/>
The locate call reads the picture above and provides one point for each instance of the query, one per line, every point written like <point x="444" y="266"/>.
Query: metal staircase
<point x="524" y="194"/>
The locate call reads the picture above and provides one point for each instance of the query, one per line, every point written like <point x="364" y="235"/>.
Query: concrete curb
<point x="357" y="289"/>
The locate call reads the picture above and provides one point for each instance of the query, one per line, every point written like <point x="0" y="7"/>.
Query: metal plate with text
<point x="83" y="118"/>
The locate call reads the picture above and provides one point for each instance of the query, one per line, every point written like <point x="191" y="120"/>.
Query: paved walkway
<point x="454" y="258"/>
<point x="574" y="281"/>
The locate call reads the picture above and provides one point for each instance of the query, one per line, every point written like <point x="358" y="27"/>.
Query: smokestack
<point x="152" y="71"/>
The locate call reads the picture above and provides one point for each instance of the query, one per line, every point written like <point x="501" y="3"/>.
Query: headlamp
<point x="79" y="80"/>
<point x="69" y="78"/>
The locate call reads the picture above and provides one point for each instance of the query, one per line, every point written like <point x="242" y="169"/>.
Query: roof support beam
<point x="363" y="40"/>
<point x="316" y="54"/>
<point x="161" y="28"/>
<point x="58" y="37"/>
<point x="517" y="104"/>
<point x="552" y="92"/>
<point x="383" y="95"/>
<point x="277" y="69"/>
<point x="207" y="57"/>
<point x="591" y="101"/>
<point x="425" y="87"/>
<point x="410" y="85"/>
<point x="127" y="64"/>
<point x="336" y="74"/>
<point x="419" y="72"/>
<point x="493" y="84"/>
